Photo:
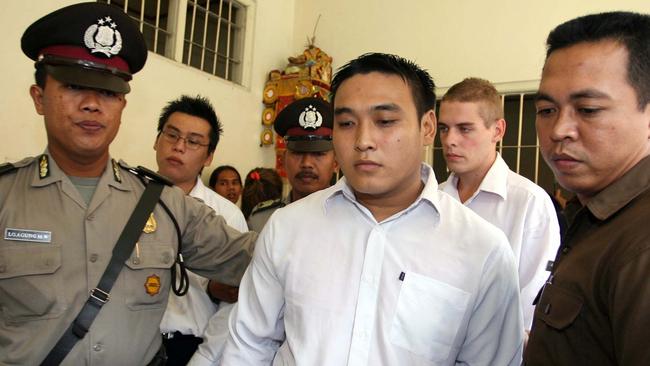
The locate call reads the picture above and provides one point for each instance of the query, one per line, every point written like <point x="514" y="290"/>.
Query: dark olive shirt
<point x="596" y="308"/>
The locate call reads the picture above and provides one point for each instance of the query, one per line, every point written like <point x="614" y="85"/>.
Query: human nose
<point x="306" y="161"/>
<point x="180" y="145"/>
<point x="90" y="101"/>
<point x="449" y="138"/>
<point x="364" y="139"/>
<point x="563" y="126"/>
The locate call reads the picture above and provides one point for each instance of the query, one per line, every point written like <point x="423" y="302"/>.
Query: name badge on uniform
<point x="28" y="235"/>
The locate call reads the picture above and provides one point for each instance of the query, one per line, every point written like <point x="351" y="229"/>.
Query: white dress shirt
<point x="329" y="285"/>
<point x="525" y="213"/>
<point x="190" y="314"/>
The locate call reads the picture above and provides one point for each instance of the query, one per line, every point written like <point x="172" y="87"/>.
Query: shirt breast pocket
<point x="30" y="282"/>
<point x="428" y="316"/>
<point x="147" y="276"/>
<point x="558" y="307"/>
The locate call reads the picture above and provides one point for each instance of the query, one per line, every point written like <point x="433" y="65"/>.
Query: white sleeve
<point x="235" y="219"/>
<point x="538" y="246"/>
<point x="214" y="338"/>
<point x="495" y="332"/>
<point x="256" y="323"/>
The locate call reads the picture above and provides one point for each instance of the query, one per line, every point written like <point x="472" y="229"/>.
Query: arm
<point x="628" y="300"/>
<point x="256" y="323"/>
<point x="495" y="330"/>
<point x="539" y="244"/>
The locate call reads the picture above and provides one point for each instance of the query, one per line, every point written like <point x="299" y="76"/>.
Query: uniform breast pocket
<point x="428" y="316"/>
<point x="558" y="307"/>
<point x="30" y="282"/>
<point x="147" y="276"/>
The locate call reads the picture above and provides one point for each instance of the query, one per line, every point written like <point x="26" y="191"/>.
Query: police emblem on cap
<point x="103" y="37"/>
<point x="310" y="118"/>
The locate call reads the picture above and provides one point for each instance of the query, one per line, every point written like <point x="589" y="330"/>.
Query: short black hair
<point x="215" y="174"/>
<point x="632" y="30"/>
<point x="40" y="75"/>
<point x="194" y="106"/>
<point x="419" y="81"/>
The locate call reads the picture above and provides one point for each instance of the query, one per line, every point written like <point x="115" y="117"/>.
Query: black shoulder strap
<point x="6" y="168"/>
<point x="100" y="295"/>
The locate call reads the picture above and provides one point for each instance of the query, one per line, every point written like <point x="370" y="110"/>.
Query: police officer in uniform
<point x="306" y="126"/>
<point x="61" y="213"/>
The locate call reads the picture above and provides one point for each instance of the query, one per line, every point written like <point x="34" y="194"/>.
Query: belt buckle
<point x="100" y="295"/>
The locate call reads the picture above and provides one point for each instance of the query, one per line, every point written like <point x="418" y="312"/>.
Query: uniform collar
<point x="47" y="171"/>
<point x="199" y="188"/>
<point x="618" y="194"/>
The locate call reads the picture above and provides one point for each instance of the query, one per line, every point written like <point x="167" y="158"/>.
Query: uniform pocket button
<point x="93" y="257"/>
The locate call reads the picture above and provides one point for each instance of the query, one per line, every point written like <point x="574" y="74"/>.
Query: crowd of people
<point x="102" y="263"/>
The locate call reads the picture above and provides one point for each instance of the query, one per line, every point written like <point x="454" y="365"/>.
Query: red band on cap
<point x="299" y="131"/>
<point x="81" y="53"/>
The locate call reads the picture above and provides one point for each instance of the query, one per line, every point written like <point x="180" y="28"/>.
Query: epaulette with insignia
<point x="7" y="168"/>
<point x="267" y="205"/>
<point x="143" y="172"/>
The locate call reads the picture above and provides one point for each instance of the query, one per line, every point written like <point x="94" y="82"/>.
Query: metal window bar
<point x="519" y="131"/>
<point x="227" y="74"/>
<point x="142" y="22"/>
<point x="191" y="38"/>
<point x="205" y="33"/>
<point x="216" y="40"/>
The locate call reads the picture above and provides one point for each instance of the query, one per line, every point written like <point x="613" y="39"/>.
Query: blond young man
<point x="471" y="124"/>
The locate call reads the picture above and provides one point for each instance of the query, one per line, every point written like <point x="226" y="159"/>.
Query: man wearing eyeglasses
<point x="188" y="134"/>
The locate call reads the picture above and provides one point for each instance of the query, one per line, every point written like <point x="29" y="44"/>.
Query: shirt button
<point x="2" y="268"/>
<point x="93" y="257"/>
<point x="97" y="347"/>
<point x="565" y="250"/>
<point x="136" y="261"/>
<point x="90" y="217"/>
<point x="166" y="258"/>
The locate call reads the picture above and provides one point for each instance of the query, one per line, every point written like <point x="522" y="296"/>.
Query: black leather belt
<point x="179" y="335"/>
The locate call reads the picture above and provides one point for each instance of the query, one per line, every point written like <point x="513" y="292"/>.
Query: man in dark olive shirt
<point x="593" y="122"/>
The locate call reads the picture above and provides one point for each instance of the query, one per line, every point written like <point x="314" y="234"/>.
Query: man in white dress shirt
<point x="381" y="268"/>
<point x="188" y="133"/>
<point x="470" y="125"/>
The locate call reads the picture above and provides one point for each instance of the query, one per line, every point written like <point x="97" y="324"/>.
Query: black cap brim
<point x="310" y="145"/>
<point x="88" y="78"/>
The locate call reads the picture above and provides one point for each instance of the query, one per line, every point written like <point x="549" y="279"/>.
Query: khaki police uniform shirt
<point x="54" y="250"/>
<point x="263" y="211"/>
<point x="596" y="308"/>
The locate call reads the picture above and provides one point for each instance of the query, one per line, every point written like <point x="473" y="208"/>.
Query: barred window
<point x="519" y="146"/>
<point x="205" y="34"/>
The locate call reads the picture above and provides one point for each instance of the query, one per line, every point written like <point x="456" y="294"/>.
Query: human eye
<point x="172" y="134"/>
<point x="589" y="111"/>
<point x="107" y="93"/>
<point x="386" y="122"/>
<point x="544" y="110"/>
<point x="344" y="123"/>
<point x="465" y="129"/>
<point x="443" y="129"/>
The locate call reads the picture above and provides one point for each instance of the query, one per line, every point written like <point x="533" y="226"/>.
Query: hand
<point x="222" y="292"/>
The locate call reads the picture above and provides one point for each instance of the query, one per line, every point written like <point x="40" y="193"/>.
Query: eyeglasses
<point x="191" y="143"/>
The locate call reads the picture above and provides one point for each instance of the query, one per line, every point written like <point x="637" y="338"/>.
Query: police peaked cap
<point x="89" y="44"/>
<point x="306" y="125"/>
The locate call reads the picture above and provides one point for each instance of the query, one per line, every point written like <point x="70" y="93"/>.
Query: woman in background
<point x="226" y="181"/>
<point x="262" y="186"/>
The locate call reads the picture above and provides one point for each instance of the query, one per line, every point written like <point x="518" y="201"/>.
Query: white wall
<point x="500" y="40"/>
<point x="161" y="80"/>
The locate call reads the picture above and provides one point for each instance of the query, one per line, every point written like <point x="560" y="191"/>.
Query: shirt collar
<point x="495" y="181"/>
<point x="618" y="194"/>
<point x="198" y="188"/>
<point x="429" y="193"/>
